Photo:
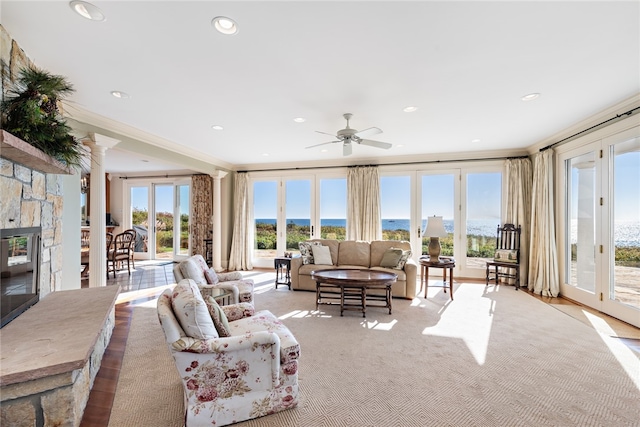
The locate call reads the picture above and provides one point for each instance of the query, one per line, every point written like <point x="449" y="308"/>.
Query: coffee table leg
<point x="341" y="300"/>
<point x="389" y="297"/>
<point x="363" y="298"/>
<point x="451" y="282"/>
<point x="317" y="294"/>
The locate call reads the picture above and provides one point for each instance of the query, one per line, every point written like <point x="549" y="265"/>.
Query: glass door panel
<point x="298" y="213"/>
<point x="182" y="245"/>
<point x="265" y="214"/>
<point x="483" y="207"/>
<point x="581" y="211"/>
<point x="438" y="195"/>
<point x="395" y="207"/>
<point x="163" y="221"/>
<point x="625" y="238"/>
<point x="333" y="208"/>
<point x="139" y="199"/>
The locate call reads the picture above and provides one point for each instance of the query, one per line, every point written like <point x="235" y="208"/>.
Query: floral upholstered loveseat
<point x="234" y="364"/>
<point x="357" y="254"/>
<point x="196" y="268"/>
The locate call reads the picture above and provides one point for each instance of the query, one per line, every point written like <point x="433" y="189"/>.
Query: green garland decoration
<point x="30" y="112"/>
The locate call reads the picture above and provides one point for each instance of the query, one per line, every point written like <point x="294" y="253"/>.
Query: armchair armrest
<point x="238" y="311"/>
<point x="232" y="275"/>
<point x="411" y="270"/>
<point x="259" y="352"/>
<point x="296" y="263"/>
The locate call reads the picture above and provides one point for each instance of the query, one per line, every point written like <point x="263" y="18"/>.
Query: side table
<point x="445" y="263"/>
<point x="283" y="271"/>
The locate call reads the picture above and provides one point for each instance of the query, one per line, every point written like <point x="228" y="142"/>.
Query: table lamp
<point x="435" y="230"/>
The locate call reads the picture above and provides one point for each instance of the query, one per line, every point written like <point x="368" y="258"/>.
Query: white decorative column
<point x="217" y="220"/>
<point x="98" y="144"/>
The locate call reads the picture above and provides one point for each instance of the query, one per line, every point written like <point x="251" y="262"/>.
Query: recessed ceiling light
<point x="224" y="25"/>
<point x="299" y="120"/>
<point x="87" y="10"/>
<point x="409" y="109"/>
<point x="324" y="150"/>
<point x="475" y="141"/>
<point x="119" y="94"/>
<point x="531" y="97"/>
<point x="265" y="154"/>
<point x="216" y="127"/>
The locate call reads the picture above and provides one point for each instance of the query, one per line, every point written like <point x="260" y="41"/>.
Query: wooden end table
<point x="445" y="263"/>
<point x="350" y="286"/>
<point x="283" y="271"/>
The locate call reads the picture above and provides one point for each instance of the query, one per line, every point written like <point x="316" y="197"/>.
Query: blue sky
<point x="164" y="198"/>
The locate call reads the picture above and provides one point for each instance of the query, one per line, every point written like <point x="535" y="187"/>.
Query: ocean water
<point x="626" y="233"/>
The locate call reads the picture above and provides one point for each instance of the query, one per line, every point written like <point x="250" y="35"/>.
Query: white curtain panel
<point x="519" y="183"/>
<point x="544" y="278"/>
<point x="363" y="204"/>
<point x="240" y="257"/>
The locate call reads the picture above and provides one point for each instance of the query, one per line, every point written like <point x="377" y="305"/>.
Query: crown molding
<point x="613" y="111"/>
<point x="81" y="115"/>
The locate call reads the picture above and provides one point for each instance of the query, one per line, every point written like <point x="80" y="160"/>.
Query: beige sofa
<point x="357" y="254"/>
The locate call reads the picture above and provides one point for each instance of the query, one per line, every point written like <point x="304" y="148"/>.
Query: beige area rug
<point x="603" y="323"/>
<point x="491" y="357"/>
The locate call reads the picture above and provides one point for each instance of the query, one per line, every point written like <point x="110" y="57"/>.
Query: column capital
<point x="95" y="140"/>
<point x="218" y="174"/>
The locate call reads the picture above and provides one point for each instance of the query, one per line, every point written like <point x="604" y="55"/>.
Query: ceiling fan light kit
<point x="349" y="135"/>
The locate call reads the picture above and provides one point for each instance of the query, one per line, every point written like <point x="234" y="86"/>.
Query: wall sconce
<point x="84" y="184"/>
<point x="435" y="230"/>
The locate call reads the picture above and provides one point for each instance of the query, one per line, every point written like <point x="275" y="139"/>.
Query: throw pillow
<point x="403" y="260"/>
<point x="191" y="311"/>
<point x="211" y="276"/>
<point x="190" y="269"/>
<point x="506" y="255"/>
<point x="321" y="255"/>
<point x="305" y="251"/>
<point x="219" y="318"/>
<point x="391" y="257"/>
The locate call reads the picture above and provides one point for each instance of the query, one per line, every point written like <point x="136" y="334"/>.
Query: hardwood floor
<point x="98" y="407"/>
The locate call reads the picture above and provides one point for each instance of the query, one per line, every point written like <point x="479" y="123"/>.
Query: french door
<point x="288" y="210"/>
<point x="160" y="214"/>
<point x="600" y="257"/>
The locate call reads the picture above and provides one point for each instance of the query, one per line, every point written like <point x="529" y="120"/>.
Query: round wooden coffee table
<point x="350" y="288"/>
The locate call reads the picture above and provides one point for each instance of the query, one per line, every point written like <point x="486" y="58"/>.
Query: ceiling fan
<point x="348" y="136"/>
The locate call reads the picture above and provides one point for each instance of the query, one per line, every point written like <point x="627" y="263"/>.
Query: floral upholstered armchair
<point x="196" y="268"/>
<point x="234" y="364"/>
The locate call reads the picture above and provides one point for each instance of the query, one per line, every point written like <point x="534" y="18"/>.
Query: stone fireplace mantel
<point x="19" y="151"/>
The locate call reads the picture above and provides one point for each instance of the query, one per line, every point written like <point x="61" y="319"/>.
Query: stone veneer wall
<point x="34" y="199"/>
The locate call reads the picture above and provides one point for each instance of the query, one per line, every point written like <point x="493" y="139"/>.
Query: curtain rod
<point x="426" y="162"/>
<point x="592" y="128"/>
<point x="156" y="176"/>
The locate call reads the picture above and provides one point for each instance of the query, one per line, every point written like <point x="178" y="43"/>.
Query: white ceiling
<point x="465" y="65"/>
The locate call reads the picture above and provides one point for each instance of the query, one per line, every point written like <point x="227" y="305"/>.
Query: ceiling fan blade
<point x="376" y="144"/>
<point x="346" y="150"/>
<point x="324" y="143"/>
<point x="325" y="133"/>
<point x="368" y="132"/>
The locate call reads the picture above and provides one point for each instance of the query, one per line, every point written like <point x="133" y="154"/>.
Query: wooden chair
<point x="132" y="250"/>
<point x="120" y="252"/>
<point x="506" y="260"/>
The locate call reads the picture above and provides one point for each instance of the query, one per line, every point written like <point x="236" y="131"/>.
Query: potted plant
<point x="30" y="112"/>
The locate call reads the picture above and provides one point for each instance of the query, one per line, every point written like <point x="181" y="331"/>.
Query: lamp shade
<point x="435" y="227"/>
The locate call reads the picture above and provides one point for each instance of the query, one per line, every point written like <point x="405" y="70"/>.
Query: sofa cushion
<point x="354" y="253"/>
<point x="321" y="255"/>
<point x="191" y="311"/>
<point x="305" y="251"/>
<point x="218" y="316"/>
<point x="391" y="257"/>
<point x="211" y="276"/>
